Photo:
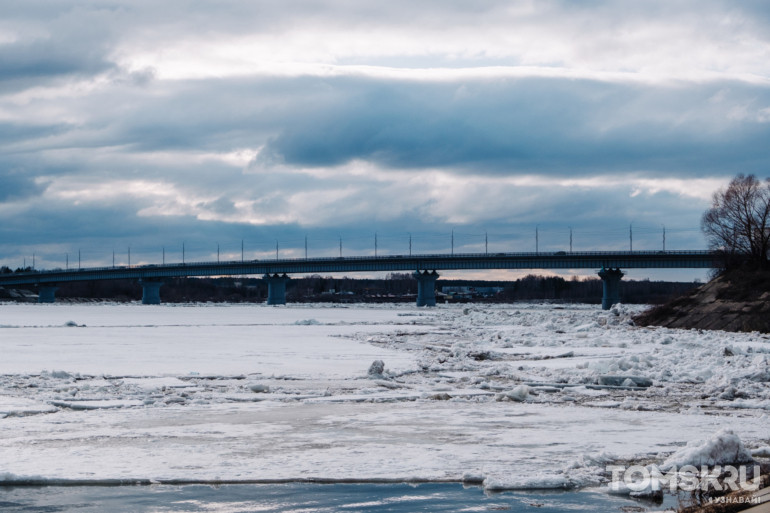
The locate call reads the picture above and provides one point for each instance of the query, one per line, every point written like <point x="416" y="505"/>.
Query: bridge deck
<point x="555" y="260"/>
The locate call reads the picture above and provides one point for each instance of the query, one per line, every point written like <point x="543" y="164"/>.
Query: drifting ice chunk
<point x="728" y="394"/>
<point x="98" y="404"/>
<point x="7" y="477"/>
<point x="621" y="381"/>
<point x="723" y="448"/>
<point x="388" y="384"/>
<point x="473" y="478"/>
<point x="519" y="394"/>
<point x="60" y="374"/>
<point x="640" y="490"/>
<point x="377" y="368"/>
<point x="12" y="406"/>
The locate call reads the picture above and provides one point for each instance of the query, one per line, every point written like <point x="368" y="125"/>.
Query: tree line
<point x="738" y="223"/>
<point x="395" y="287"/>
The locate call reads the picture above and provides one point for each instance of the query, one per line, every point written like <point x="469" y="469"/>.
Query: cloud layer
<point x="127" y="124"/>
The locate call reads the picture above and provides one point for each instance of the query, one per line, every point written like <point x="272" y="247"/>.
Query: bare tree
<point x="738" y="222"/>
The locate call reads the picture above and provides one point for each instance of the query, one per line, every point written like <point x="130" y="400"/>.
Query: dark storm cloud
<point x="555" y="126"/>
<point x="16" y="185"/>
<point x="11" y="133"/>
<point x="48" y="58"/>
<point x="53" y="41"/>
<point x="558" y="126"/>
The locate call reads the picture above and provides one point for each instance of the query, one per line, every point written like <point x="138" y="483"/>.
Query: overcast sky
<point x="150" y="124"/>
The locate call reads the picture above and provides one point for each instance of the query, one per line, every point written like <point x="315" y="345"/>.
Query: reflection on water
<point x="301" y="497"/>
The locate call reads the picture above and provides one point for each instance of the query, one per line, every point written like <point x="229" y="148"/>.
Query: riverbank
<point x="737" y="301"/>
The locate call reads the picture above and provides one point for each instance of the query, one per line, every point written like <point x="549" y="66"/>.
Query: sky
<point x="457" y="125"/>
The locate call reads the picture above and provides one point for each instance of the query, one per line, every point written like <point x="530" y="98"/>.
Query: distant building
<point x="467" y="292"/>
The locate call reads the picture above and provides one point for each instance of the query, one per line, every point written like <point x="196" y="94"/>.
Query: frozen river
<point x="100" y="393"/>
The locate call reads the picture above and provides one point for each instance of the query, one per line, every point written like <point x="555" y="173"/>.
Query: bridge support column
<point x="47" y="293"/>
<point x="610" y="287"/>
<point x="426" y="287"/>
<point x="276" y="288"/>
<point x="151" y="292"/>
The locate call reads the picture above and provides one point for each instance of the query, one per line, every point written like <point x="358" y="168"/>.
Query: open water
<point x="305" y="498"/>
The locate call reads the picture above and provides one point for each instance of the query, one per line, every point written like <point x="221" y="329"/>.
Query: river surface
<point x="306" y="498"/>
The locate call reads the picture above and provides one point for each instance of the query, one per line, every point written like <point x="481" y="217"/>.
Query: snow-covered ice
<point x="128" y="340"/>
<point x="510" y="394"/>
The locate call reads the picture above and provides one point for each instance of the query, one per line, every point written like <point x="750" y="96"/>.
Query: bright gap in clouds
<point x="656" y="41"/>
<point x="343" y="194"/>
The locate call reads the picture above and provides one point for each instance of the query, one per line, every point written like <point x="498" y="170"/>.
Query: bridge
<point x="425" y="270"/>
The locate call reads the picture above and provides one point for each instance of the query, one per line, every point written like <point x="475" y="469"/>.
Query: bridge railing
<point x="443" y="256"/>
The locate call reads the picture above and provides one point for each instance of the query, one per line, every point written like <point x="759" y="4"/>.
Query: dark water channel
<point x="303" y="497"/>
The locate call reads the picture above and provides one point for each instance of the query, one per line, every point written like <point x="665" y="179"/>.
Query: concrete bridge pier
<point x="276" y="288"/>
<point x="610" y="286"/>
<point x="47" y="293"/>
<point x="426" y="287"/>
<point x="150" y="291"/>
